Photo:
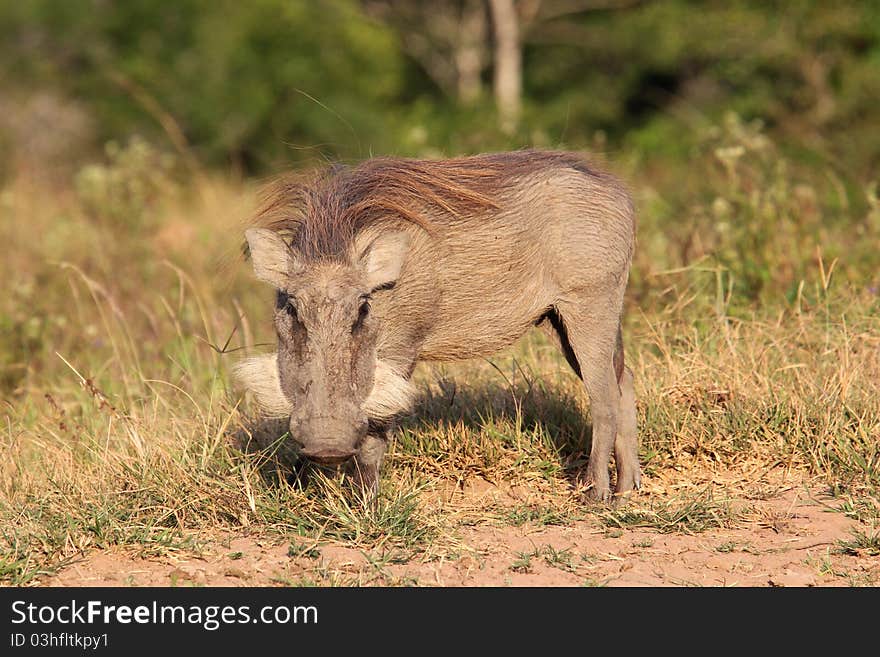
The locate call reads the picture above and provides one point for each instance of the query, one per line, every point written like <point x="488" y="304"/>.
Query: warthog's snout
<point x="328" y="440"/>
<point x="328" y="456"/>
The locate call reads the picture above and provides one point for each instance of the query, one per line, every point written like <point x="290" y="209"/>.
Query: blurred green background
<point x="257" y="85"/>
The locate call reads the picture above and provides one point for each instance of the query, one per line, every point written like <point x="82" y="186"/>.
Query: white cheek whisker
<point x="392" y="393"/>
<point x="259" y="374"/>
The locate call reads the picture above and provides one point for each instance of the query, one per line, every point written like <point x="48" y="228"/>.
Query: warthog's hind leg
<point x="626" y="445"/>
<point x="590" y="329"/>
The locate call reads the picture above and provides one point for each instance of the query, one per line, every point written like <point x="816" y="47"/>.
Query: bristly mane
<point x="323" y="212"/>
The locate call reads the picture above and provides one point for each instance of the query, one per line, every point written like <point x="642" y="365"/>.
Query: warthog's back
<point x="481" y="278"/>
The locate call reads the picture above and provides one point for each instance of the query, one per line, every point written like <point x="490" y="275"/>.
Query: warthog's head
<point x="326" y="374"/>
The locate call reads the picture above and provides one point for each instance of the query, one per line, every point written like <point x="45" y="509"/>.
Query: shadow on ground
<point x="532" y="410"/>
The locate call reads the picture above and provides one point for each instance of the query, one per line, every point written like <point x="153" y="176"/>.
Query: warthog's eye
<point x="283" y="302"/>
<point x="363" y="311"/>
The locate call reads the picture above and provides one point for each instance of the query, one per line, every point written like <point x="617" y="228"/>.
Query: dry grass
<point x="120" y="427"/>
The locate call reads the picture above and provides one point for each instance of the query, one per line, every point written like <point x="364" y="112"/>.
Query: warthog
<point x="395" y="261"/>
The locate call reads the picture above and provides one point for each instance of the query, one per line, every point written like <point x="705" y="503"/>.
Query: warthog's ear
<point x="273" y="260"/>
<point x="382" y="258"/>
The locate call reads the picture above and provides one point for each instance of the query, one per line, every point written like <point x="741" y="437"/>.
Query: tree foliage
<point x="260" y="84"/>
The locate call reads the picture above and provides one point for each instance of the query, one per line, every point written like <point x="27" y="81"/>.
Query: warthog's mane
<point x="321" y="212"/>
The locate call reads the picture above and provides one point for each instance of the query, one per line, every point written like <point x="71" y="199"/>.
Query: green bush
<point x="126" y="190"/>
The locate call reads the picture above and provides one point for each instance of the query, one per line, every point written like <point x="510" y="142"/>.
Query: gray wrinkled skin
<point x="554" y="250"/>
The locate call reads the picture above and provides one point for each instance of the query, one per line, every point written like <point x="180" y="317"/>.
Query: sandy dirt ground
<point x="793" y="539"/>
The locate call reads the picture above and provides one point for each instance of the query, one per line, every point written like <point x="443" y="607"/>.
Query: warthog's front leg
<point x="368" y="461"/>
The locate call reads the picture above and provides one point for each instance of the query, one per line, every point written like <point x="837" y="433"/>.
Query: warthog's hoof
<point x="621" y="499"/>
<point x="596" y="495"/>
<point x="600" y="496"/>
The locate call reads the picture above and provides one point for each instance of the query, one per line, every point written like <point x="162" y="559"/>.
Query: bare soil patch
<point x="793" y="539"/>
